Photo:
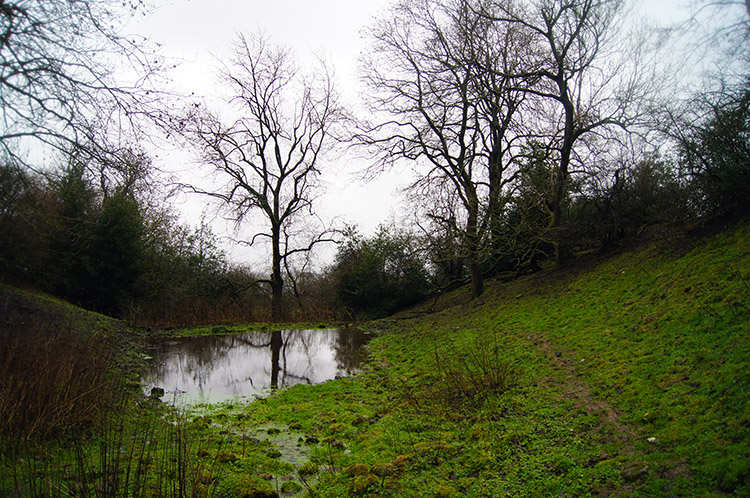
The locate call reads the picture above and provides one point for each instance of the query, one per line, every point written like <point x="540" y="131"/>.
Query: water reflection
<point x="215" y="368"/>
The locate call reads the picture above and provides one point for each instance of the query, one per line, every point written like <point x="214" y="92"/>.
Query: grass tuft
<point x="468" y="375"/>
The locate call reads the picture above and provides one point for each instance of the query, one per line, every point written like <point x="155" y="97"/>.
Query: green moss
<point x="361" y="484"/>
<point x="445" y="491"/>
<point x="273" y="453"/>
<point x="308" y="469"/>
<point x="226" y="457"/>
<point x="240" y="486"/>
<point x="357" y="469"/>
<point x="291" y="487"/>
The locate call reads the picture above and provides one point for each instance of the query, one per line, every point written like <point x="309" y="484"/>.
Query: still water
<point x="217" y="368"/>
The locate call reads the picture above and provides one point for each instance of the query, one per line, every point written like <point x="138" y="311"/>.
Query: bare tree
<point x="58" y="59"/>
<point x="267" y="160"/>
<point x="427" y="71"/>
<point x="584" y="82"/>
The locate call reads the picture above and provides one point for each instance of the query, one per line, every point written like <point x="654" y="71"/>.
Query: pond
<point x="211" y="369"/>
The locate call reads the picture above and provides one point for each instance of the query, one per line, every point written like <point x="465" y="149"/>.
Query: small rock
<point x="634" y="471"/>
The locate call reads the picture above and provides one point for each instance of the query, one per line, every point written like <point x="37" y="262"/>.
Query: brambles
<point x="74" y="387"/>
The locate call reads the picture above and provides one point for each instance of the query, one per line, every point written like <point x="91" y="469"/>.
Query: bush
<point x="378" y="276"/>
<point x="619" y="205"/>
<point x="716" y="155"/>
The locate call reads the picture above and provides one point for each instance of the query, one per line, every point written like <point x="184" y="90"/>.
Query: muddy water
<point x="219" y="368"/>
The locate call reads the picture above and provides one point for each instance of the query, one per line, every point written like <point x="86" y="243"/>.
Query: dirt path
<point x="573" y="387"/>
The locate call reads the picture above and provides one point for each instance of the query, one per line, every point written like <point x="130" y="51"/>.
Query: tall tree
<point x="593" y="84"/>
<point x="428" y="73"/>
<point x="267" y="160"/>
<point x="117" y="255"/>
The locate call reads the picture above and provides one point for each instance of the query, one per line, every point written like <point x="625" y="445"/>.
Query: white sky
<point x="196" y="31"/>
<point x="193" y="29"/>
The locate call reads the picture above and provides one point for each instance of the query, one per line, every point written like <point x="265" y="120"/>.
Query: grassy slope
<point x="651" y="344"/>
<point x="648" y="344"/>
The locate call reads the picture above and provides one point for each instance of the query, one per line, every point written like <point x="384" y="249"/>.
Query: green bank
<point x="624" y="375"/>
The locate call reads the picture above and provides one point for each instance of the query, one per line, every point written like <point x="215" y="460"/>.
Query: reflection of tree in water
<point x="278" y="345"/>
<point x="196" y="355"/>
<point x="283" y="357"/>
<point x="349" y="349"/>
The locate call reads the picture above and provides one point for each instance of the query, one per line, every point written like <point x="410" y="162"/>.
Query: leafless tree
<point x="708" y="125"/>
<point x="267" y="160"/>
<point x="446" y="112"/>
<point x="586" y="82"/>
<point x="58" y="60"/>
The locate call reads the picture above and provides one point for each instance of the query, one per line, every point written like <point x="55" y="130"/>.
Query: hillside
<point x="625" y="375"/>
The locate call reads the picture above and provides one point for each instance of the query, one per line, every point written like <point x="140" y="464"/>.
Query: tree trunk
<point x="477" y="280"/>
<point x="277" y="283"/>
<point x="474" y="242"/>
<point x="495" y="168"/>
<point x="562" y="252"/>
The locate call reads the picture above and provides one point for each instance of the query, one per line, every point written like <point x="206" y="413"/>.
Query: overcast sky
<point x="197" y="31"/>
<point x="193" y="29"/>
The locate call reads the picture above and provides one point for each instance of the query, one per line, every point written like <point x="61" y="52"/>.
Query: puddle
<point x="213" y="369"/>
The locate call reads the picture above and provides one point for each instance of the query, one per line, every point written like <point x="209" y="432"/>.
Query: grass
<point x="632" y="380"/>
<point x="624" y="376"/>
<point x="208" y="330"/>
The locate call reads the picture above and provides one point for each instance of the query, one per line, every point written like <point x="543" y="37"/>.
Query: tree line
<point x="535" y="130"/>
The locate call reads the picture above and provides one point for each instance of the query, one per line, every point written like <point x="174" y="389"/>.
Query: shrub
<point x="716" y="154"/>
<point x="377" y="276"/>
<point x="467" y="376"/>
<point x="461" y="378"/>
<point x="619" y="205"/>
